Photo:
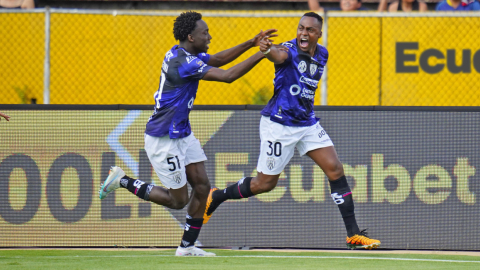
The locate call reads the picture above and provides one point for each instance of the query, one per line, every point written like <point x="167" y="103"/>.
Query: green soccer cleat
<point x="112" y="182"/>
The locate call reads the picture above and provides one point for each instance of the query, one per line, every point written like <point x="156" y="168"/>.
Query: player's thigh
<point x="315" y="137"/>
<point x="167" y="157"/>
<point x="277" y="146"/>
<point x="194" y="162"/>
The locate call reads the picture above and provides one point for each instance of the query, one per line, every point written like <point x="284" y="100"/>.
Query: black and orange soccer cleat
<point x="209" y="212"/>
<point x="362" y="241"/>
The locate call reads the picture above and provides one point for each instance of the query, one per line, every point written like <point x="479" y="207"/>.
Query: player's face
<point x="201" y="37"/>
<point x="349" y="5"/>
<point x="308" y="33"/>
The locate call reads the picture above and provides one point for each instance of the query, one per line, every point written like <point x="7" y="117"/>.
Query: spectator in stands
<point x="4" y="116"/>
<point x="345" y="5"/>
<point x="458" y="5"/>
<point x="17" y="4"/>
<point x="403" y="5"/>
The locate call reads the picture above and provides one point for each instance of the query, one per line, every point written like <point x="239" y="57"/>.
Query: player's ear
<point x="190" y="38"/>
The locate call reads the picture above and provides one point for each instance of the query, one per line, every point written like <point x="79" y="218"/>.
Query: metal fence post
<point x="46" y="65"/>
<point x="323" y="86"/>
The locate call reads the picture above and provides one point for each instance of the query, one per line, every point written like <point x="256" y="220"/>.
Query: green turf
<point x="226" y="259"/>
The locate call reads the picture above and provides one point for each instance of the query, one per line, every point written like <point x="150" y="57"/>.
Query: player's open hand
<point x="267" y="33"/>
<point x="4" y="116"/>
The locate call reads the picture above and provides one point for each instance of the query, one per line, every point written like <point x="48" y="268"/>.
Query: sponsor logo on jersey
<point x="313" y="69"/>
<point x="270" y="163"/>
<point x="190" y="103"/>
<point x="200" y="70"/>
<point x="311" y="82"/>
<point x="288" y="44"/>
<point x="302" y="66"/>
<point x="191" y="58"/>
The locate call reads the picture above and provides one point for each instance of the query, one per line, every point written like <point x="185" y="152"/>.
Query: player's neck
<point x="186" y="46"/>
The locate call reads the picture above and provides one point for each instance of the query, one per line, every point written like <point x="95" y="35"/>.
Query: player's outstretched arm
<point x="274" y="53"/>
<point x="235" y="72"/>
<point x="227" y="56"/>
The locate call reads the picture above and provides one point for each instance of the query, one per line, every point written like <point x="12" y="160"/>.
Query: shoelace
<point x="364" y="232"/>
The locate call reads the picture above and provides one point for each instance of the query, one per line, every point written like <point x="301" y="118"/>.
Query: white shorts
<point x="278" y="143"/>
<point x="170" y="156"/>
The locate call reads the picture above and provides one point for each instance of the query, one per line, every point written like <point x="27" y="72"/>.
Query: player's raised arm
<point x="227" y="56"/>
<point x="274" y="53"/>
<point x="235" y="72"/>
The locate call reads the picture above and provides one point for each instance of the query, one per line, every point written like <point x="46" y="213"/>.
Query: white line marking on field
<point x="252" y="256"/>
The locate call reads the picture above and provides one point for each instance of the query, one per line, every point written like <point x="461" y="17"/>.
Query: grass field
<point x="72" y="259"/>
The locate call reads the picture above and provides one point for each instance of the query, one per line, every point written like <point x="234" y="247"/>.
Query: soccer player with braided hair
<point x="175" y="154"/>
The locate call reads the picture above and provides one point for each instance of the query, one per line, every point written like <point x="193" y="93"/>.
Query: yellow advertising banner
<point x="404" y="59"/>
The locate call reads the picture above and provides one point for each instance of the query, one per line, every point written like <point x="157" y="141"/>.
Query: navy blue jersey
<point x="295" y="83"/>
<point x="181" y="72"/>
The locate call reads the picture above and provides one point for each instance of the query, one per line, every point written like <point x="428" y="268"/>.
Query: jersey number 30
<point x="275" y="148"/>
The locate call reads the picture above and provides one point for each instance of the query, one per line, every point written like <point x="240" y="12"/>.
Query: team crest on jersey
<point x="191" y="58"/>
<point x="313" y="69"/>
<point x="302" y="66"/>
<point x="177" y="177"/>
<point x="270" y="163"/>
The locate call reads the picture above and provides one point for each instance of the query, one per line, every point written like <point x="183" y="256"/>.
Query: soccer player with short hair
<point x="288" y="122"/>
<point x="174" y="152"/>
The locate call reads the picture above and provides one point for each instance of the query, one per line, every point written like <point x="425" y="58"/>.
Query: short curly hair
<point x="314" y="15"/>
<point x="185" y="24"/>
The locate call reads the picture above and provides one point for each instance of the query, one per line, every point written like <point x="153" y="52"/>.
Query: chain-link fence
<point x="63" y="56"/>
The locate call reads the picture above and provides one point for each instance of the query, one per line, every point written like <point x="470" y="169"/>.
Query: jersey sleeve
<point x="205" y="57"/>
<point x="323" y="55"/>
<point x="193" y="68"/>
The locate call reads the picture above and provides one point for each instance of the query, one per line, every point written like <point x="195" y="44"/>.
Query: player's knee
<point x="335" y="171"/>
<point x="339" y="169"/>
<point x="179" y="203"/>
<point x="267" y="186"/>
<point x="203" y="188"/>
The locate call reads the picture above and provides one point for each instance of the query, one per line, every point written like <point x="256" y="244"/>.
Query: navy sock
<point x="342" y="196"/>
<point x="137" y="187"/>
<point x="191" y="231"/>
<point x="239" y="190"/>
